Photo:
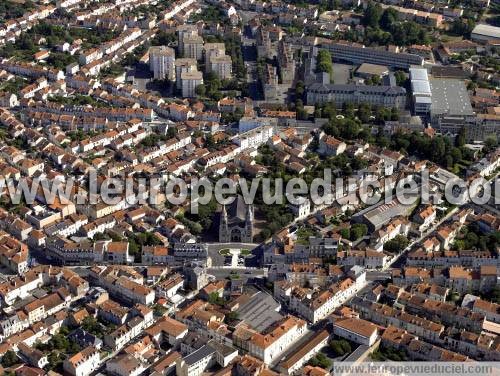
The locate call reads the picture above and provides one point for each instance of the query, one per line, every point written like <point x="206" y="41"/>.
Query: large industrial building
<point x="449" y="97"/>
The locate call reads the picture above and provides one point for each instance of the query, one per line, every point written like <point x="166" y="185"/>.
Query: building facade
<point x="162" y="62"/>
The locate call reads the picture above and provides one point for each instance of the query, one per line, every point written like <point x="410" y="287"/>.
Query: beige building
<point x="189" y="81"/>
<point x="221" y="65"/>
<point x="183" y="65"/>
<point x="213" y="49"/>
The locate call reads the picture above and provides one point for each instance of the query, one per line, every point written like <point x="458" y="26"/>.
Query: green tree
<point x="400" y="78"/>
<point x="461" y="138"/>
<point x="324" y="62"/>
<point x="345" y="233"/>
<point x="388" y="18"/>
<point x="397" y="244"/>
<point x="358" y="230"/>
<point x="320" y="360"/>
<point x="372" y="15"/>
<point x="9" y="359"/>
<point x="340" y="347"/>
<point x="200" y="90"/>
<point x="299" y="89"/>
<point x="490" y="143"/>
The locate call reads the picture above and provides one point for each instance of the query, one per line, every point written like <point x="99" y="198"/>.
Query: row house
<point x="169" y="287"/>
<point x="68" y="252"/>
<point x="425" y="217"/>
<point x="483" y="346"/>
<point x="489" y="309"/>
<point x="368" y="258"/>
<point x="127" y="289"/>
<point x="157" y="255"/>
<point x="46" y="306"/>
<point x="117" y="339"/>
<point x="447" y="313"/>
<point x="330" y="146"/>
<point x="219" y="156"/>
<point x="400" y="339"/>
<point x="98" y="226"/>
<point x="20" y="287"/>
<point x="32" y="70"/>
<point x="386" y="316"/>
<point x="437" y="258"/>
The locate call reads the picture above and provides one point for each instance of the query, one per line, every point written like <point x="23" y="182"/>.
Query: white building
<point x="83" y="363"/>
<point x="162" y="62"/>
<point x="302" y="209"/>
<point x="421" y="90"/>
<point x="254" y="138"/>
<point x="248" y="123"/>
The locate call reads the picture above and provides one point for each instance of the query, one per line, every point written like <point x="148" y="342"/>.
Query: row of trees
<point x="384" y="353"/>
<point x="471" y="237"/>
<point x="320" y="360"/>
<point x="439" y="149"/>
<point x="340" y="347"/>
<point x="324" y="62"/>
<point x="234" y="49"/>
<point x="383" y="27"/>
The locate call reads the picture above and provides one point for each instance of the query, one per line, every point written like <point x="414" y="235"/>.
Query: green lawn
<point x="225" y="252"/>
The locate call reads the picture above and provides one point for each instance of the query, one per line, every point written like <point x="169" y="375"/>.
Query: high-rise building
<point x="213" y="49"/>
<point x="183" y="65"/>
<point x="217" y="61"/>
<point x="190" y="42"/>
<point x="162" y="62"/>
<point x="221" y="65"/>
<point x="192" y="46"/>
<point x="189" y="81"/>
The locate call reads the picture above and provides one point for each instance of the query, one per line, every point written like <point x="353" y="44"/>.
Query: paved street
<point x="399" y="259"/>
<point x="244" y="273"/>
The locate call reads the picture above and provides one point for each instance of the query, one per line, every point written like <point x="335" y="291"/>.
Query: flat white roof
<point x="421" y="87"/>
<point x="487" y="30"/>
<point x="419" y="99"/>
<point x="419" y="74"/>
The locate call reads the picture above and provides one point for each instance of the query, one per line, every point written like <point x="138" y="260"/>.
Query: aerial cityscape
<point x="249" y="188"/>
